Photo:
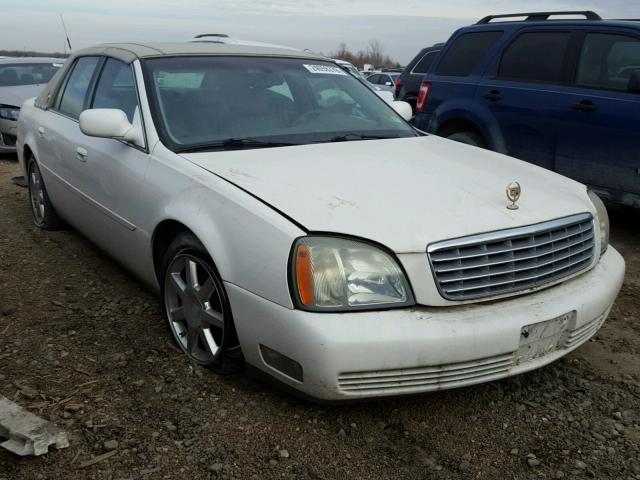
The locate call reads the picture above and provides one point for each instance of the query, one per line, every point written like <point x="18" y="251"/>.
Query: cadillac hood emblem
<point x="513" y="194"/>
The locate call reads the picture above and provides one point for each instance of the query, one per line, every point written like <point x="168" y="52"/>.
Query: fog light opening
<point x="282" y="363"/>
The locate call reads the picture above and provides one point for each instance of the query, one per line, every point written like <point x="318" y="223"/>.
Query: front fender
<point x="248" y="241"/>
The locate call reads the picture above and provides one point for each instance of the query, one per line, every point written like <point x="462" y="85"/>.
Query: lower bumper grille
<point x="425" y="378"/>
<point x="512" y="260"/>
<point x="586" y="331"/>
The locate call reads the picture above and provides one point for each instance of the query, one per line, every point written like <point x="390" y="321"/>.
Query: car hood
<point x="402" y="193"/>
<point x="16" y="96"/>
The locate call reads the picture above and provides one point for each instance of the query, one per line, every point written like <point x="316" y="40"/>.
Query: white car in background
<point x="292" y="220"/>
<point x="21" y="78"/>
<point x="386" y="95"/>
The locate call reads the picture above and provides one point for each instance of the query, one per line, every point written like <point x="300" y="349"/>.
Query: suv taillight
<point x="423" y="96"/>
<point x="398" y="83"/>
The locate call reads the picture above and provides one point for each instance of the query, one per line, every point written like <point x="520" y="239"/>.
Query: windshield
<point x="217" y="101"/>
<point x="19" y="74"/>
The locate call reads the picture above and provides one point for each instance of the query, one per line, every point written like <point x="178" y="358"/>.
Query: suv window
<point x="608" y="60"/>
<point x="462" y="57"/>
<point x="75" y="91"/>
<point x="116" y="88"/>
<point x="536" y="57"/>
<point x="425" y="62"/>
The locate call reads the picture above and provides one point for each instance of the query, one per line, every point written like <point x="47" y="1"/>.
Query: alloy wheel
<point x="194" y="308"/>
<point x="36" y="194"/>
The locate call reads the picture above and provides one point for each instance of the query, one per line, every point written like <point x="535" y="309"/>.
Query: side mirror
<point x="111" y="123"/>
<point x="634" y="82"/>
<point x="388" y="84"/>
<point x="404" y="109"/>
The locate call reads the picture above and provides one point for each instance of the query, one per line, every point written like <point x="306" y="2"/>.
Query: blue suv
<point x="548" y="88"/>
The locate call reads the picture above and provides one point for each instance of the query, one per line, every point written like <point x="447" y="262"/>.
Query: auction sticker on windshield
<point x="327" y="69"/>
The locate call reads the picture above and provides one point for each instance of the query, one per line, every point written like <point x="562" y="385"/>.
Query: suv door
<point x="524" y="94"/>
<point x="598" y="139"/>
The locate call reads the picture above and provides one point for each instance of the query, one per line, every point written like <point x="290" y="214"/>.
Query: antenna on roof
<point x="66" y="33"/>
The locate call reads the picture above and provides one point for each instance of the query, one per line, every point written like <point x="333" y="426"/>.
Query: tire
<point x="196" y="306"/>
<point x="469" y="138"/>
<point x="43" y="211"/>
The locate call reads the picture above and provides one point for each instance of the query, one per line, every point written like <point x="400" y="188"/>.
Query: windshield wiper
<point x="233" y="144"/>
<point x="356" y="136"/>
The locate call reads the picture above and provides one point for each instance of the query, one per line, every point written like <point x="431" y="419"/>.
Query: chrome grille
<point x="426" y="378"/>
<point x="512" y="260"/>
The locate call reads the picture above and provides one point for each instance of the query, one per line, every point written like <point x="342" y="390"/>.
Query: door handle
<point x="41" y="131"/>
<point x="493" y="95"/>
<point x="81" y="154"/>
<point x="584" y="106"/>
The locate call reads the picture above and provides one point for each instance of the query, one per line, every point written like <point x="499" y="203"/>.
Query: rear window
<point x="536" y="57"/>
<point x="466" y="52"/>
<point x="20" y="74"/>
<point x="425" y="62"/>
<point x="608" y="61"/>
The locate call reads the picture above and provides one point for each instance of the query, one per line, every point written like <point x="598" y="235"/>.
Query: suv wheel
<point x="469" y="138"/>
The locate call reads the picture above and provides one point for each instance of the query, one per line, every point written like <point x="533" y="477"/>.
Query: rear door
<point x="524" y="93"/>
<point x="599" y="135"/>
<point x="454" y="78"/>
<point x="59" y="138"/>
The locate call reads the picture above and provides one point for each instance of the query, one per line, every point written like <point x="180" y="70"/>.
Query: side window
<point x="75" y="91"/>
<point x="422" y="67"/>
<point x="116" y="88"/>
<point x="466" y="52"/>
<point x="536" y="57"/>
<point x="375" y="79"/>
<point x="609" y="61"/>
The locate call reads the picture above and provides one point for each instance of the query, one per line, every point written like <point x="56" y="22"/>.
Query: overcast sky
<point x="403" y="27"/>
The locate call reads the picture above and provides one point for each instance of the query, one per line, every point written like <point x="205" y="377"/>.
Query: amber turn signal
<point x="304" y="274"/>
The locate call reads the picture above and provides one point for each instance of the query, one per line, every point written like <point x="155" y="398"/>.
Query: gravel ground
<point x="83" y="344"/>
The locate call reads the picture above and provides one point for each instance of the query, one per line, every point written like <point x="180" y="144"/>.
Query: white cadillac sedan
<point x="291" y="219"/>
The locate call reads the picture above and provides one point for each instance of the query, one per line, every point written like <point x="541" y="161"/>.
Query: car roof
<point x="10" y="60"/>
<point x="128" y="52"/>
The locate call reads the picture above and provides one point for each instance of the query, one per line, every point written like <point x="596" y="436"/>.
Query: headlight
<point x="9" y="113"/>
<point x="602" y="219"/>
<point x="331" y="273"/>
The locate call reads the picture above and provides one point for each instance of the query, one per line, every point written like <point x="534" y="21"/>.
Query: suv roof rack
<point x="537" y="16"/>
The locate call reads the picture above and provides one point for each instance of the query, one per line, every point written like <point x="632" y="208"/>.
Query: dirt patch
<point x="83" y="344"/>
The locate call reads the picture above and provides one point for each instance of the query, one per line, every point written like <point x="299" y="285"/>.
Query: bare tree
<point x="373" y="55"/>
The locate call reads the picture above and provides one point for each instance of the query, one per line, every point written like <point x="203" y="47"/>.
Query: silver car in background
<point x="20" y="79"/>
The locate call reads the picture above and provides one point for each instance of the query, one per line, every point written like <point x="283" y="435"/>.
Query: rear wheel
<point x="469" y="138"/>
<point x="196" y="306"/>
<point x="44" y="214"/>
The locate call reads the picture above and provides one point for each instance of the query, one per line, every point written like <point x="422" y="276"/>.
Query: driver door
<point x="112" y="173"/>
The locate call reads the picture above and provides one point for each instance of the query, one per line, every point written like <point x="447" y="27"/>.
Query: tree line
<point x="373" y="54"/>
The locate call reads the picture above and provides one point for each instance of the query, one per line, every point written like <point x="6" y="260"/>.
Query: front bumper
<point x="396" y="352"/>
<point x="8" y="135"/>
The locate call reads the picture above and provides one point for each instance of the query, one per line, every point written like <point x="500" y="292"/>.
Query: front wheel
<point x="469" y="138"/>
<point x="196" y="305"/>
<point x="44" y="214"/>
